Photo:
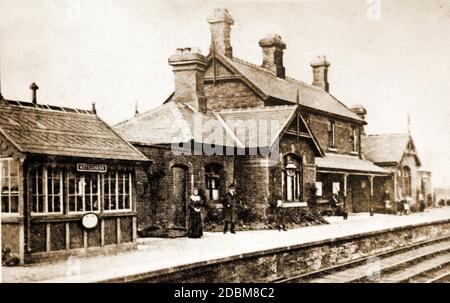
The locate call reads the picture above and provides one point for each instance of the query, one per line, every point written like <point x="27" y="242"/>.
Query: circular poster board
<point x="89" y="221"/>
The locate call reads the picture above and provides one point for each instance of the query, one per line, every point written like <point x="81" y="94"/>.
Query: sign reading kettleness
<point x="94" y="168"/>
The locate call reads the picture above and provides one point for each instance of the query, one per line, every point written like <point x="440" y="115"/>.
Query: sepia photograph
<point x="192" y="142"/>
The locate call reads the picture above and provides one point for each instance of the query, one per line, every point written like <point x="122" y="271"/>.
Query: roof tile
<point x="63" y="132"/>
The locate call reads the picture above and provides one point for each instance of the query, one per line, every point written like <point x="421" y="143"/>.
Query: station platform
<point x="166" y="255"/>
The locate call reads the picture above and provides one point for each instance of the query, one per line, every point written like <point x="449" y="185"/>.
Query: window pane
<point x="5" y="168"/>
<point x="120" y="202"/>
<point x="14" y="203"/>
<point x="88" y="185"/>
<point x="127" y="202"/>
<point x="107" y="186"/>
<point x="57" y="204"/>
<point x="40" y="206"/>
<point x="72" y="205"/>
<point x="127" y="184"/>
<point x="79" y="203"/>
<point x="5" y="186"/>
<point x="5" y="204"/>
<point x="71" y="186"/>
<point x="113" y="184"/>
<point x="13" y="169"/>
<point x="39" y="184"/>
<point x="120" y="184"/>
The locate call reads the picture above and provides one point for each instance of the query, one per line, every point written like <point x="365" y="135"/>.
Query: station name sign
<point x="93" y="168"/>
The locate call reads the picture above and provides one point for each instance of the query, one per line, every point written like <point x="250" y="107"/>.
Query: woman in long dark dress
<point x="195" y="215"/>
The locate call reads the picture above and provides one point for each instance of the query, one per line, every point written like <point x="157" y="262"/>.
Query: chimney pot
<point x="34" y="88"/>
<point x="272" y="48"/>
<point x="359" y="110"/>
<point x="189" y="67"/>
<point x="220" y="22"/>
<point x="320" y="72"/>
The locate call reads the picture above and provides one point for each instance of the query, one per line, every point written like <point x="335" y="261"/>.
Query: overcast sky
<point x="392" y="56"/>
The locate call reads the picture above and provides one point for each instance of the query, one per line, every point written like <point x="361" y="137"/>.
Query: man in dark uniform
<point x="229" y="205"/>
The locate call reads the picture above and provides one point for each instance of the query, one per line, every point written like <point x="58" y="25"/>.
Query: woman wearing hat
<point x="195" y="215"/>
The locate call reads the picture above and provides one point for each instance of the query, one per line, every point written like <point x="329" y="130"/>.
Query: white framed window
<point x="331" y="134"/>
<point x="354" y="139"/>
<point x="84" y="192"/>
<point x="292" y="175"/>
<point x="46" y="190"/>
<point x="55" y="187"/>
<point x="117" y="191"/>
<point x="9" y="186"/>
<point x="213" y="180"/>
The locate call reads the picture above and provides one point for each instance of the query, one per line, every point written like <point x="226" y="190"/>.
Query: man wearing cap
<point x="229" y="205"/>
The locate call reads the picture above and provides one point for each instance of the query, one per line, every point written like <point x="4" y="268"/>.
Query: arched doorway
<point x="180" y="180"/>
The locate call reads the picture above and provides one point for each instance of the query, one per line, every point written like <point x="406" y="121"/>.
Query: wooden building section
<point x="57" y="165"/>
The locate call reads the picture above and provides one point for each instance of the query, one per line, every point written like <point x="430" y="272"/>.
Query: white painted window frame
<point x="9" y="160"/>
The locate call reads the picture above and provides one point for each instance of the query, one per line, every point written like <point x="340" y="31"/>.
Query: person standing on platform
<point x="195" y="215"/>
<point x="280" y="215"/>
<point x="342" y="205"/>
<point x="387" y="202"/>
<point x="421" y="203"/>
<point x="229" y="206"/>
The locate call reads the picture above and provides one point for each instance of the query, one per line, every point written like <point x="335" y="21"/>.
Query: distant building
<point x="398" y="153"/>
<point x="67" y="183"/>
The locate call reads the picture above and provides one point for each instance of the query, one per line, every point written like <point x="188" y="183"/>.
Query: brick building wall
<point x="252" y="184"/>
<point x="158" y="204"/>
<point x="319" y="126"/>
<point x="256" y="180"/>
<point x="227" y="91"/>
<point x="230" y="94"/>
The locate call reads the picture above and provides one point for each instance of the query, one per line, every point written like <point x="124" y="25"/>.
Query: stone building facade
<point x="286" y="137"/>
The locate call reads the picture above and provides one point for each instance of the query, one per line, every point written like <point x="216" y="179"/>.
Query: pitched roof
<point x="348" y="163"/>
<point x="256" y="127"/>
<point x="174" y="122"/>
<point x="388" y="148"/>
<point x="52" y="130"/>
<point x="288" y="88"/>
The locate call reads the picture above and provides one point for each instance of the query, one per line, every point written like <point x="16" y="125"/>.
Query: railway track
<point x="423" y="262"/>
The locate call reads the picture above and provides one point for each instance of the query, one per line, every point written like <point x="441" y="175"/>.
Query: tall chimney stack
<point x="189" y="67"/>
<point x="34" y="88"/>
<point x="220" y="22"/>
<point x="272" y="49"/>
<point x="320" y="72"/>
<point x="361" y="112"/>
